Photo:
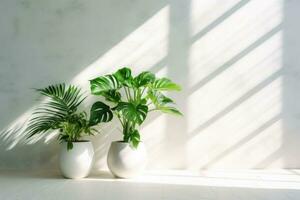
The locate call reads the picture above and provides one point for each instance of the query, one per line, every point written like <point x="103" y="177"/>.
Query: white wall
<point x="237" y="61"/>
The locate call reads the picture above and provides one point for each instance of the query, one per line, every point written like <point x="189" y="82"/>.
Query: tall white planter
<point x="76" y="162"/>
<point x="125" y="161"/>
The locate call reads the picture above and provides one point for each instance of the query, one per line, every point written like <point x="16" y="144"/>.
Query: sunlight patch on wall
<point x="204" y="13"/>
<point x="236" y="82"/>
<point x="231" y="37"/>
<point x="235" y="140"/>
<point x="141" y="49"/>
<point x="235" y="99"/>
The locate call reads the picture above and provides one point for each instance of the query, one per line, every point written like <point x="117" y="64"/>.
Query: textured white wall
<point x="236" y="59"/>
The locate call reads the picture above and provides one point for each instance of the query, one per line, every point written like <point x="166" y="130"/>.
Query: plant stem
<point x="143" y="91"/>
<point x="119" y="118"/>
<point x="137" y="93"/>
<point x="127" y="96"/>
<point x="130" y="97"/>
<point x="134" y="95"/>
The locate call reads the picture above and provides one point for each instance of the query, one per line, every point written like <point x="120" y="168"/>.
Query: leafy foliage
<point x="112" y="95"/>
<point x="165" y="84"/>
<point x="59" y="112"/>
<point x="104" y="84"/>
<point x="100" y="112"/>
<point x="124" y="76"/>
<point x="144" y="79"/>
<point x="134" y="97"/>
<point x="162" y="103"/>
<point x="134" y="113"/>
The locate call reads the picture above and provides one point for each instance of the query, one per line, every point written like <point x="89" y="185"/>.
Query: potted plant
<point x="131" y="99"/>
<point x="59" y="112"/>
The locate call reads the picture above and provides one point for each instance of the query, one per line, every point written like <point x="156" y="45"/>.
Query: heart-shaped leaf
<point x="100" y="112"/>
<point x="134" y="113"/>
<point x="143" y="79"/>
<point x="124" y="76"/>
<point x="103" y="84"/>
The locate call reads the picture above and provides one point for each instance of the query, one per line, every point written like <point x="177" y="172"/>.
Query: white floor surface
<point x="154" y="185"/>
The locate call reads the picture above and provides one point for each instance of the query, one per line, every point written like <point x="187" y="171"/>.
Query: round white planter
<point x="124" y="161"/>
<point x="76" y="162"/>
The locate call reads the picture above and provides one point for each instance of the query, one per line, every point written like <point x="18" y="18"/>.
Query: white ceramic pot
<point x="124" y="161"/>
<point x="76" y="162"/>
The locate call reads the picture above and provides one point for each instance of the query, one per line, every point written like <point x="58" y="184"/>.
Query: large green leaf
<point x="169" y="110"/>
<point x="143" y="79"/>
<point x="112" y="95"/>
<point x="100" y="112"/>
<point x="103" y="84"/>
<point x="124" y="76"/>
<point x="134" y="113"/>
<point x="165" y="84"/>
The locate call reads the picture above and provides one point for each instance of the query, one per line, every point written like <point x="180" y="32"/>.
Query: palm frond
<point x="42" y="124"/>
<point x="62" y="99"/>
<point x="61" y="102"/>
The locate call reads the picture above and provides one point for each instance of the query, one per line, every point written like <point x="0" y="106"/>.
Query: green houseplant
<point x="59" y="111"/>
<point x="131" y="99"/>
